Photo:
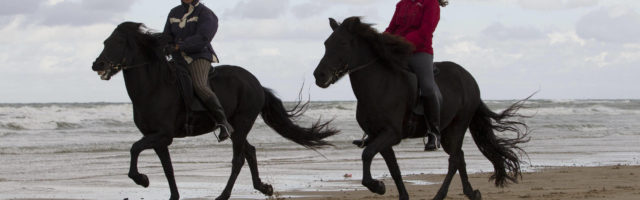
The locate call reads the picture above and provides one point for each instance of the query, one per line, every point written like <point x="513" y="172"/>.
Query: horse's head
<point x="119" y="50"/>
<point x="339" y="49"/>
<point x="354" y="45"/>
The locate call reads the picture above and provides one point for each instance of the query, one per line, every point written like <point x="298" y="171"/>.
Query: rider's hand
<point x="170" y="49"/>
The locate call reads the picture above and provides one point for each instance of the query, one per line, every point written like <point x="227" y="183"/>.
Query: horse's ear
<point x="334" y="24"/>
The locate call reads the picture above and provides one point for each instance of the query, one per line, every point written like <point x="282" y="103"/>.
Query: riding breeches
<point x="422" y="65"/>
<point x="199" y="70"/>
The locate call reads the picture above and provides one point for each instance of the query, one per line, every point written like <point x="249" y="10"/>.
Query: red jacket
<point x="416" y="20"/>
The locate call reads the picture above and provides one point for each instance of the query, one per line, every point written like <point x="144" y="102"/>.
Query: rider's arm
<point x="393" y="25"/>
<point x="428" y="25"/>
<point x="167" y="29"/>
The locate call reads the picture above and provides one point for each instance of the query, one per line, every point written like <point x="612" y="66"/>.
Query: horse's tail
<point x="502" y="152"/>
<point x="277" y="117"/>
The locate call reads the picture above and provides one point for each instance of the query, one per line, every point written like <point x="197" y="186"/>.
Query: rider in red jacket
<point x="416" y="20"/>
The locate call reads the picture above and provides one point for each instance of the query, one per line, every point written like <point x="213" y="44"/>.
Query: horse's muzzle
<point x="323" y="81"/>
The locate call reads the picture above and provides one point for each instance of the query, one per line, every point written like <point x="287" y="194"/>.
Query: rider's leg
<point x="422" y="66"/>
<point x="199" y="70"/>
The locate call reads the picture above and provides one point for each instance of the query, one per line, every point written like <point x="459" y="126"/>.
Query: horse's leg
<point x="452" y="144"/>
<point x="147" y="142"/>
<point x="383" y="141"/>
<point x="390" y="158"/>
<point x="239" y="139"/>
<point x="466" y="185"/>
<point x="165" y="158"/>
<point x="453" y="168"/>
<point x="250" y="155"/>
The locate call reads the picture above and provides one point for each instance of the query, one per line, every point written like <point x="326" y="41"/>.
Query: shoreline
<point x="604" y="182"/>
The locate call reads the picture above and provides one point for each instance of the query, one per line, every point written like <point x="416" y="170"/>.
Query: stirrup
<point x="437" y="138"/>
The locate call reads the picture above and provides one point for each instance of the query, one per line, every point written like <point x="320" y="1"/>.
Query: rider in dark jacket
<point x="192" y="27"/>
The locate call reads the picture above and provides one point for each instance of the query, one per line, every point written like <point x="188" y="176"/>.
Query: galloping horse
<point x="387" y="93"/>
<point x="159" y="110"/>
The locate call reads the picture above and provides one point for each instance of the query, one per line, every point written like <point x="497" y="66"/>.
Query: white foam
<point x="51" y="117"/>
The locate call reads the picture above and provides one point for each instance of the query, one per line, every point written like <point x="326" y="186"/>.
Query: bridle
<point x="346" y="70"/>
<point x="122" y="65"/>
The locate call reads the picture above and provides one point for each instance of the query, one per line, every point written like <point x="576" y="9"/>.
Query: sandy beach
<point x="610" y="182"/>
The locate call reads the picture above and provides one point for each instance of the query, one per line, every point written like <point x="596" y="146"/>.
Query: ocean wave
<point x="577" y="127"/>
<point x="67" y="126"/>
<point x="580" y="110"/>
<point x="7" y="134"/>
<point x="12" y="126"/>
<point x="66" y="148"/>
<point x="64" y="116"/>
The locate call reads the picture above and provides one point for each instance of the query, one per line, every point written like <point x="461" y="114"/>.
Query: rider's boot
<point x="214" y="106"/>
<point x="432" y="117"/>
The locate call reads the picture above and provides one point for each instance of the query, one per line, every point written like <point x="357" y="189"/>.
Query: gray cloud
<point x="259" y="9"/>
<point x="608" y="25"/>
<point x="309" y="9"/>
<point x="76" y="13"/>
<point x="556" y="4"/>
<point x="120" y="6"/>
<point x="4" y="20"/>
<point x="8" y="8"/>
<point x="72" y="13"/>
<point x="354" y="2"/>
<point x="498" y="31"/>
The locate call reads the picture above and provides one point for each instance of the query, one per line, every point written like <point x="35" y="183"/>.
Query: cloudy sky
<point x="566" y="49"/>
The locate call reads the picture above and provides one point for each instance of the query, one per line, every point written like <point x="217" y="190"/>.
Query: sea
<point x="81" y="150"/>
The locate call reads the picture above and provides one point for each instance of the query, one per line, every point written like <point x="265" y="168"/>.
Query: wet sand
<point x="610" y="182"/>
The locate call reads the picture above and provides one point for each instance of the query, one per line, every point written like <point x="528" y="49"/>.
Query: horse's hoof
<point x="439" y="197"/>
<point x="376" y="186"/>
<point x="267" y="189"/>
<point x="430" y="147"/>
<point x="477" y="195"/>
<point x="223" y="136"/>
<point x="141" y="180"/>
<point x="174" y="197"/>
<point x="223" y="197"/>
<point x="358" y="143"/>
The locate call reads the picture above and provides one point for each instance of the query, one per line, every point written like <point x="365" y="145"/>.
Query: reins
<point x="362" y="66"/>
<point x="119" y="66"/>
<point x="347" y="71"/>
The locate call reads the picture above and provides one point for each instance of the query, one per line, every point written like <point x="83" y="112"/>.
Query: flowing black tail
<point x="277" y="117"/>
<point x="502" y="152"/>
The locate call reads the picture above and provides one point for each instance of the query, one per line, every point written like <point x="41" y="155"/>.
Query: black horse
<point x="387" y="93"/>
<point x="159" y="110"/>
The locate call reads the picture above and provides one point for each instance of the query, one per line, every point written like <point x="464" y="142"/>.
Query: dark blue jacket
<point x="192" y="27"/>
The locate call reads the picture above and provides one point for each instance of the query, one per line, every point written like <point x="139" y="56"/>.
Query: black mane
<point x="391" y="49"/>
<point x="150" y="43"/>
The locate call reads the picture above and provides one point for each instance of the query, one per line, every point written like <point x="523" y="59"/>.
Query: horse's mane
<point x="149" y="43"/>
<point x="393" y="50"/>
